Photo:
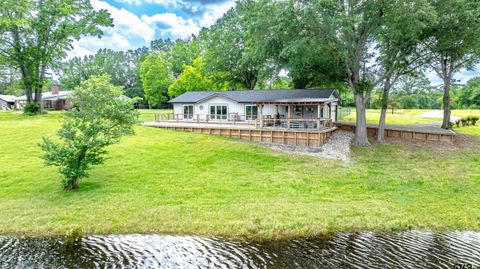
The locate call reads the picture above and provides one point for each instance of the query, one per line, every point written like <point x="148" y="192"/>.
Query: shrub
<point x="100" y="117"/>
<point x="464" y="122"/>
<point x="457" y="122"/>
<point x="31" y="108"/>
<point x="474" y="119"/>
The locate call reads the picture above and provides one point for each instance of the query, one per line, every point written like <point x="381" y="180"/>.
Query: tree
<point x="289" y="38"/>
<point x="156" y="76"/>
<point x="183" y="53"/>
<point x="121" y="66"/>
<point x="353" y="28"/>
<point x="193" y="78"/>
<point x="453" y="42"/>
<point x="469" y="95"/>
<point x="397" y="45"/>
<point x="229" y="49"/>
<point x="100" y="117"/>
<point x="36" y="34"/>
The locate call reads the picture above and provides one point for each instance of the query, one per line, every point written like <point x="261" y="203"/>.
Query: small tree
<point x="100" y="117"/>
<point x="156" y="76"/>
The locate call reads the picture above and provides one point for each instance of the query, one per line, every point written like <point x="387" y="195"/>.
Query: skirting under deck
<point x="307" y="138"/>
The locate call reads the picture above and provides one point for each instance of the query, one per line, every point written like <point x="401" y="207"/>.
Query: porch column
<point x="319" y="107"/>
<point x="288" y="116"/>
<point x="261" y="116"/>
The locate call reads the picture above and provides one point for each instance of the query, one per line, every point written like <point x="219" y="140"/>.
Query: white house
<point x="270" y="107"/>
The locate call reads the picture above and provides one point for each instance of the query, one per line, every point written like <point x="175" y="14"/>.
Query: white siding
<point x="203" y="108"/>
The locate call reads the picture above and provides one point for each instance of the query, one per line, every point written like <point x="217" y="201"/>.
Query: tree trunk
<point x="383" y="113"/>
<point x="72" y="184"/>
<point x="361" y="137"/>
<point x="446" y="105"/>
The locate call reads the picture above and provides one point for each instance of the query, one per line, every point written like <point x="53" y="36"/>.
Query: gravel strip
<point x="337" y="147"/>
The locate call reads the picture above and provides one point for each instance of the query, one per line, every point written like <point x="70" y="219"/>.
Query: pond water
<point x="412" y="249"/>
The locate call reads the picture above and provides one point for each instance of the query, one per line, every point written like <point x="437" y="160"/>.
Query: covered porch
<point x="300" y="114"/>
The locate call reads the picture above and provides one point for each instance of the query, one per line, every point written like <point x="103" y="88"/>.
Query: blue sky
<point x="137" y="22"/>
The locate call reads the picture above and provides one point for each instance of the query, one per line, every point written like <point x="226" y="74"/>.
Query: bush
<point x="465" y="122"/>
<point x="457" y="122"/>
<point x="99" y="118"/>
<point x="473" y="120"/>
<point x="32" y="108"/>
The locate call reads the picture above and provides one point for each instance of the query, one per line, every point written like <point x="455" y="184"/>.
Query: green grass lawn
<point x="160" y="181"/>
<point x="149" y="114"/>
<point x="407" y="116"/>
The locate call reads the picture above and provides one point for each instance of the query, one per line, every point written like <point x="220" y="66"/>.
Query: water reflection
<point x="413" y="249"/>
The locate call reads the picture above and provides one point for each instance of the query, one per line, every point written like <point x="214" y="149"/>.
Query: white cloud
<point x="171" y="25"/>
<point x="462" y="77"/>
<point x="126" y="23"/>
<point x="213" y="13"/>
<point x="130" y="2"/>
<point x="131" y="31"/>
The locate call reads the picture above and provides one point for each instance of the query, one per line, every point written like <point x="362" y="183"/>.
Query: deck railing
<point x="315" y="123"/>
<point x="232" y="118"/>
<point x="265" y="122"/>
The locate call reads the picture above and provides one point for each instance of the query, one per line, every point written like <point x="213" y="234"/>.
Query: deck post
<point x="288" y="116"/>
<point x="261" y="116"/>
<point x="319" y="108"/>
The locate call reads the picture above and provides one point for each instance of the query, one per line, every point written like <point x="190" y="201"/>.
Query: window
<point x="297" y="111"/>
<point x="218" y="112"/>
<point x="47" y="104"/>
<point x="250" y="112"/>
<point x="188" y="112"/>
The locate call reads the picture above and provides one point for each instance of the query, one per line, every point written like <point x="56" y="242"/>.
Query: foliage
<point x="473" y="120"/>
<point x="467" y="121"/>
<point x="469" y="95"/>
<point x="36" y="35"/>
<point x="121" y="66"/>
<point x="100" y="117"/>
<point x="183" y="54"/>
<point x="411" y="92"/>
<point x="452" y="42"/>
<point x="289" y="37"/>
<point x="193" y="78"/>
<point x="31" y="108"/>
<point x="156" y="76"/>
<point x="229" y="49"/>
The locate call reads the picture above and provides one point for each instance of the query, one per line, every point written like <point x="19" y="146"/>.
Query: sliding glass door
<point x="218" y="112"/>
<point x="187" y="112"/>
<point x="250" y="112"/>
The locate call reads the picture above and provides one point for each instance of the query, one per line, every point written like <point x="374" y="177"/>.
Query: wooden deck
<point x="296" y="137"/>
<point x="425" y="132"/>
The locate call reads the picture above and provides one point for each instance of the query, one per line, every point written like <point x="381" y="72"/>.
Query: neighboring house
<point x="55" y="99"/>
<point x="7" y="102"/>
<point x="257" y="105"/>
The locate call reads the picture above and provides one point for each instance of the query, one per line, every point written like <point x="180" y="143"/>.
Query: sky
<point x="138" y="22"/>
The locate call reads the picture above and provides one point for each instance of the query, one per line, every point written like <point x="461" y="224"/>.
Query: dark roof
<point x="254" y="96"/>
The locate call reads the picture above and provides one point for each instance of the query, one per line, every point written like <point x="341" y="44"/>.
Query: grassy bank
<point x="408" y="116"/>
<point x="162" y="181"/>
